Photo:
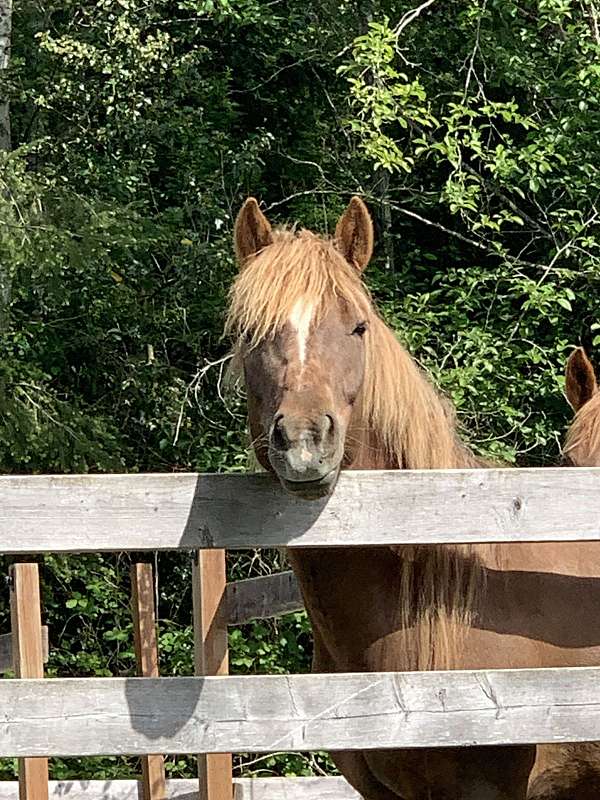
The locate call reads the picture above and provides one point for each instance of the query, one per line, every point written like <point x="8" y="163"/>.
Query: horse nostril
<point x="278" y="438"/>
<point x="328" y="424"/>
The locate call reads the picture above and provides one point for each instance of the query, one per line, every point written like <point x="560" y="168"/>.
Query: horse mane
<point x="399" y="413"/>
<point x="584" y="432"/>
<point x="415" y="425"/>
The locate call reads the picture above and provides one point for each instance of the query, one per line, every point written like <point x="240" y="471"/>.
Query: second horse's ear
<point x="354" y="234"/>
<point x="581" y="383"/>
<point x="252" y="231"/>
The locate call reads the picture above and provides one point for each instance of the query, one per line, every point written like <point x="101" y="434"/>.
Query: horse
<point x="573" y="772"/>
<point x="330" y="387"/>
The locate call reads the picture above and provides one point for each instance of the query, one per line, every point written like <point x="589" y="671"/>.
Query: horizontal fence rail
<point x="181" y="789"/>
<point x="117" y="716"/>
<point x="93" y="513"/>
<point x="262" y="598"/>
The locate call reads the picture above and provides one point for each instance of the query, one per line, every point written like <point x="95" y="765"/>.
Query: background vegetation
<point x="137" y="128"/>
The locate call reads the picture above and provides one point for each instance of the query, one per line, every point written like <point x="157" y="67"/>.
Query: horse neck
<point x="436" y="587"/>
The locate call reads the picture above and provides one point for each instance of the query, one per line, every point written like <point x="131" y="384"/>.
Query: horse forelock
<point x="298" y="270"/>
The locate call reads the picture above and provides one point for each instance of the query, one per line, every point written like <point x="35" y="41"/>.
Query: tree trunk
<point x="5" y="142"/>
<point x="382" y="188"/>
<point x="5" y="35"/>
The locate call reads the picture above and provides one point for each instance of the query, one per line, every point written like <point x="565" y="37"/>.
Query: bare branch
<point x="194" y="386"/>
<point x="410" y="16"/>
<point x="439" y="226"/>
<point x="471" y="73"/>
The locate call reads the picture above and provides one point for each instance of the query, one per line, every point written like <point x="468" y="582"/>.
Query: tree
<point x="5" y="38"/>
<point x="5" y="140"/>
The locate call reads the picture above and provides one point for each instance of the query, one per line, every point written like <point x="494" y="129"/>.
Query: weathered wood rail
<point x="264" y="597"/>
<point x="266" y="713"/>
<point x="95" y="513"/>
<point x="216" y="715"/>
<point x="181" y="789"/>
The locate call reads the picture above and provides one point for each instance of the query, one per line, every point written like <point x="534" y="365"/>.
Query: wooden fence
<point x="214" y="714"/>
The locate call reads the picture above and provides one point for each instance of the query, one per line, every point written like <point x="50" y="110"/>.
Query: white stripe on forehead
<point x="300" y="319"/>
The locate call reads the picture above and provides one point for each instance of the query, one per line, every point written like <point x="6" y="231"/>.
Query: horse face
<point x="582" y="448"/>
<point x="302" y="380"/>
<point x="301" y="385"/>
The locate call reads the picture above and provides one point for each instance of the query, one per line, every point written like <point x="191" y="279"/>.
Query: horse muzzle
<point x="305" y="454"/>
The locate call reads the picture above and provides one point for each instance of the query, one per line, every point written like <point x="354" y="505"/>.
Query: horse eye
<point x="360" y="329"/>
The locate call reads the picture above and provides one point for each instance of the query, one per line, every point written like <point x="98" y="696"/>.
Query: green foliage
<point x="281" y="646"/>
<point x="490" y="139"/>
<point x="383" y="97"/>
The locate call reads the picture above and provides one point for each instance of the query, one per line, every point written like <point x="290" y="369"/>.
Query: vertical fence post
<point x="28" y="662"/>
<point x="146" y="653"/>
<point x="211" y="657"/>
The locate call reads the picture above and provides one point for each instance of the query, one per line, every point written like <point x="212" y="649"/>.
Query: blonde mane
<point x="584" y="433"/>
<point x="399" y="412"/>
<point x="413" y="424"/>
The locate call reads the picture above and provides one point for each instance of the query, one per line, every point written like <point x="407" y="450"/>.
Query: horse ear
<point x="354" y="234"/>
<point x="252" y="231"/>
<point x="581" y="381"/>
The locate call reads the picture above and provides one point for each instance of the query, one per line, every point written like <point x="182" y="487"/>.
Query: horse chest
<point x="352" y="600"/>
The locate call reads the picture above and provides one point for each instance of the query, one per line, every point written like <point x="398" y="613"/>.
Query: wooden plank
<point x="267" y="713"/>
<point x="94" y="513"/>
<point x="146" y="653"/>
<point x="294" y="789"/>
<point x="6" y="652"/>
<point x="182" y="789"/>
<point x="211" y="657"/>
<point x="264" y="597"/>
<point x="28" y="662"/>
